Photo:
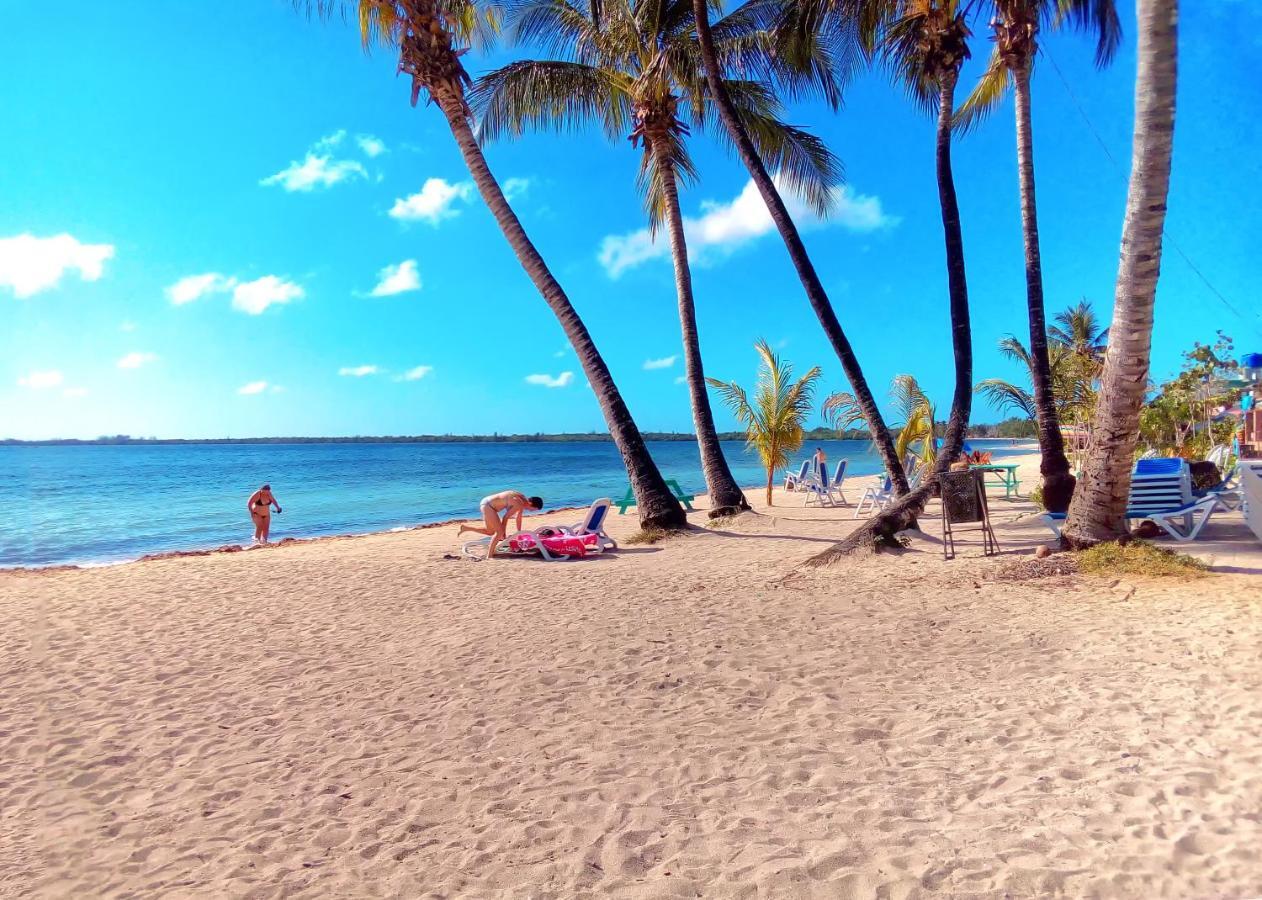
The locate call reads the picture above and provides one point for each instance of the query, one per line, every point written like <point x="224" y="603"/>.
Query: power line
<point x="1168" y="235"/>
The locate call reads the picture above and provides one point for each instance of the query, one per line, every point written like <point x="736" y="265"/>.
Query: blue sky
<point x="261" y="237"/>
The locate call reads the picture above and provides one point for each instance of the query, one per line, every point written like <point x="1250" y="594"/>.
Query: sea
<point x="102" y="504"/>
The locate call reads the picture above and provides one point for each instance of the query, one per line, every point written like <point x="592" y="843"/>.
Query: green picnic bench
<point x="629" y="499"/>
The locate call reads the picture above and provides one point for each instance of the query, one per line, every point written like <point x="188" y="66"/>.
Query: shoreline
<point x="223" y="549"/>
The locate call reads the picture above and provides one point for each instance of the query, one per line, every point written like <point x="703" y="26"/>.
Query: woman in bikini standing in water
<point x="260" y="506"/>
<point x="496" y="510"/>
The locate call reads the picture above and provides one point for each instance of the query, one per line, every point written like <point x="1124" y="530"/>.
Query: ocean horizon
<point x="95" y="504"/>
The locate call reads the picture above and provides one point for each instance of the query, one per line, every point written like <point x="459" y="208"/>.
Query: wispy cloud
<point x="29" y="264"/>
<point x="723" y="227"/>
<point x="318" y="168"/>
<point x="372" y="147"/>
<point x="664" y="363"/>
<point x="414" y="374"/>
<point x="74" y="392"/>
<point x="397" y="279"/>
<point x="433" y="203"/>
<point x="194" y="287"/>
<point x="358" y="371"/>
<point x="254" y="387"/>
<point x="516" y="187"/>
<point x="136" y="359"/>
<point x="40" y="381"/>
<point x="551" y="381"/>
<point x="255" y="296"/>
<point x="681" y="379"/>
<point x="127" y="327"/>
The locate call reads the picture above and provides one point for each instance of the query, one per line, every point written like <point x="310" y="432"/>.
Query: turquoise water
<point x="97" y="504"/>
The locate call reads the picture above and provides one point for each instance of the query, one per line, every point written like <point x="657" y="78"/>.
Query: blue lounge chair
<point x="818" y="488"/>
<point x="794" y="482"/>
<point x="1161" y="492"/>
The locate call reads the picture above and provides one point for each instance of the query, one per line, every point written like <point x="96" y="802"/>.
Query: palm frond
<point x="1004" y="395"/>
<point x="1098" y="17"/>
<point x="841" y="411"/>
<point x="986" y="95"/>
<point x="549" y="95"/>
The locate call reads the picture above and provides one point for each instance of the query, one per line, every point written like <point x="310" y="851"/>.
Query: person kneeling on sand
<point x="497" y="509"/>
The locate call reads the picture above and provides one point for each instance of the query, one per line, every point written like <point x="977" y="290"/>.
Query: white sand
<point x="363" y="718"/>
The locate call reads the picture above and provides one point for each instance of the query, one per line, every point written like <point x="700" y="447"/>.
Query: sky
<point x="225" y="220"/>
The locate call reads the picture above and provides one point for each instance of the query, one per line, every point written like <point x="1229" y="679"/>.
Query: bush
<point x="647" y="536"/>
<point x="1036" y="496"/>
<point x="1138" y="558"/>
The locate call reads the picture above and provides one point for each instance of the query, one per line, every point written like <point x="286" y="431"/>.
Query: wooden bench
<point x="629" y="499"/>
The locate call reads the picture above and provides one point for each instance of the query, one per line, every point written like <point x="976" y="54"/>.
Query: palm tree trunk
<point x="657" y="506"/>
<point x="880" y="529"/>
<point x="1097" y="511"/>
<point x="771" y="481"/>
<point x="815" y="293"/>
<point x="725" y="495"/>
<point x="1058" y="483"/>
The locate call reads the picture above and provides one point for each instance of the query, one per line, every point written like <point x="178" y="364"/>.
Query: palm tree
<point x="774" y="420"/>
<point x="1078" y="330"/>
<point x="640" y="73"/>
<point x="925" y="43"/>
<point x="1096" y="513"/>
<point x="815" y="293"/>
<point x="916" y="430"/>
<point x="427" y="35"/>
<point x="1016" y="24"/>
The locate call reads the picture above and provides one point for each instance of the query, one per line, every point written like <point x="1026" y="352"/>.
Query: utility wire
<point x="1118" y="168"/>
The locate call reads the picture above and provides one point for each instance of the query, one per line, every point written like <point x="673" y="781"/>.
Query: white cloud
<point x="255" y="296"/>
<point x="29" y="264"/>
<point x="39" y="381"/>
<point x="397" y="279"/>
<point x="319" y="168"/>
<point x="723" y="227"/>
<point x="254" y="387"/>
<point x="372" y="147"/>
<point x="551" y="381"/>
<point x="73" y="392"/>
<point x="357" y="371"/>
<point x="136" y="360"/>
<point x="415" y="374"/>
<point x="194" y="287"/>
<point x="664" y="363"/>
<point x="433" y="202"/>
<point x="516" y="187"/>
<point x="681" y="379"/>
<point x="127" y="326"/>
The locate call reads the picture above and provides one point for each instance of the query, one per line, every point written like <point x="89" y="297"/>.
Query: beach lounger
<point x="839" y="475"/>
<point x="794" y="482"/>
<point x="1251" y="490"/>
<point x="557" y="542"/>
<point x="876" y="497"/>
<point x="819" y="490"/>
<point x="1161" y="492"/>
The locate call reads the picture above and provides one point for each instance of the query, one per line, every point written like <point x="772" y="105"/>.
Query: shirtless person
<point x="260" y="506"/>
<point x="497" y="509"/>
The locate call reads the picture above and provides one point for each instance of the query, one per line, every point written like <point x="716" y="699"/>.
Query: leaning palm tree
<point x="1017" y="24"/>
<point x="430" y="36"/>
<point x="767" y="188"/>
<point x="1097" y="512"/>
<point x="638" y="76"/>
<point x="774" y="421"/>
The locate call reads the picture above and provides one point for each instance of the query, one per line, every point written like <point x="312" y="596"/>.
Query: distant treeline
<point x="1011" y="428"/>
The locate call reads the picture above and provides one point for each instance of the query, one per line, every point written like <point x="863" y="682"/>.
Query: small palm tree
<point x="1078" y="330"/>
<point x="1016" y="25"/>
<point x="774" y="421"/>
<point x="1098" y="510"/>
<point x="638" y="74"/>
<point x="430" y="37"/>
<point x="916" y="429"/>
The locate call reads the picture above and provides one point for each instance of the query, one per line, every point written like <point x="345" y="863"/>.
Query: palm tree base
<point x="733" y="509"/>
<point x="670" y="520"/>
<point x="1058" y="490"/>
<point x="879" y="532"/>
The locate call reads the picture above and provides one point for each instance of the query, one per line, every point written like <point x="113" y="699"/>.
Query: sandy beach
<point x="703" y="717"/>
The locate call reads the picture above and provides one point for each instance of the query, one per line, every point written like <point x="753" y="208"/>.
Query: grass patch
<point x="1139" y="558"/>
<point x="720" y="522"/>
<point x="648" y="535"/>
<point x="1036" y="496"/>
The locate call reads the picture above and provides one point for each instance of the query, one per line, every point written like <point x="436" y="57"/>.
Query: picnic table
<point x="1005" y="477"/>
<point x="629" y="499"/>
